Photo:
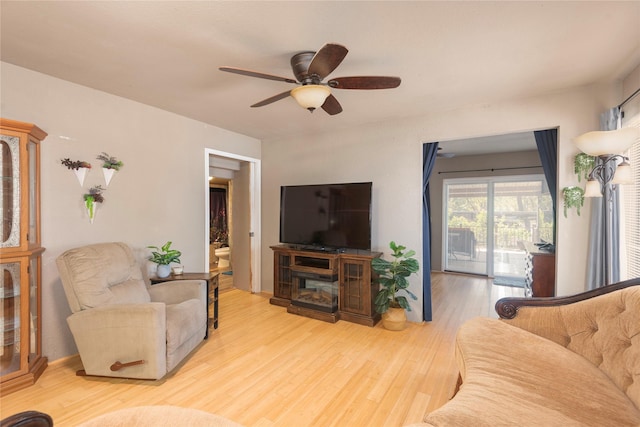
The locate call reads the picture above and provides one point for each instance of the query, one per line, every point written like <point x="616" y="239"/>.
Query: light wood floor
<point x="265" y="367"/>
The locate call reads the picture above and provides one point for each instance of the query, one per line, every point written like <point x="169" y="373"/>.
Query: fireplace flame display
<point x="316" y="293"/>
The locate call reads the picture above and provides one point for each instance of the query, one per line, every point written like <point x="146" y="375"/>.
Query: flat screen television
<point x="326" y="217"/>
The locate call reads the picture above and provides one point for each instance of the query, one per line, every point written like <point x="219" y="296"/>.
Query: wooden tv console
<point x="352" y="269"/>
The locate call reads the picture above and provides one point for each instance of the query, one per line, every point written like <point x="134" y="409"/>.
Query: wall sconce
<point x="602" y="144"/>
<point x="609" y="171"/>
<point x="311" y="96"/>
<point x="603" y="178"/>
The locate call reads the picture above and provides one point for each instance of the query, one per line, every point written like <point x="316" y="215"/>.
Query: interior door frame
<point x="255" y="213"/>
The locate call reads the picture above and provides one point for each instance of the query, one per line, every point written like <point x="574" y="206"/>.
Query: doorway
<point x="220" y="225"/>
<point x="240" y="177"/>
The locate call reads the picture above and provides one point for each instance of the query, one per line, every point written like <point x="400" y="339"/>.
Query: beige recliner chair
<point x="122" y="327"/>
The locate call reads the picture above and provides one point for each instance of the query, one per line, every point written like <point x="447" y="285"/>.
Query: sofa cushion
<point x="510" y="374"/>
<point x="101" y="274"/>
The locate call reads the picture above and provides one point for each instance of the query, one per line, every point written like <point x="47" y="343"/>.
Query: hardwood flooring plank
<point x="264" y="367"/>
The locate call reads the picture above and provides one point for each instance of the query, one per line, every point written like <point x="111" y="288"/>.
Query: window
<point x="487" y="221"/>
<point x="631" y="201"/>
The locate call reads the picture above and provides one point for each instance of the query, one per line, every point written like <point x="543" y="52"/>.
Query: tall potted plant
<point x="392" y="277"/>
<point x="164" y="256"/>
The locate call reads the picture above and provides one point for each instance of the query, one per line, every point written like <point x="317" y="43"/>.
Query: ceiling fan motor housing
<point x="300" y="65"/>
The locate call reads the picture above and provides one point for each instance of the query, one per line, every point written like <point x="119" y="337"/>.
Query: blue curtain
<point x="429" y="151"/>
<point x="547" y="142"/>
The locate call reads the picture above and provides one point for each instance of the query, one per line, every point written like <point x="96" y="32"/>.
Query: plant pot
<point x="163" y="270"/>
<point x="108" y="174"/>
<point x="80" y="173"/>
<point x="394" y="319"/>
<point x="91" y="207"/>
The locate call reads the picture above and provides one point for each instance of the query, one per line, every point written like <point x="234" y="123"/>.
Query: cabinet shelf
<point x="7" y="295"/>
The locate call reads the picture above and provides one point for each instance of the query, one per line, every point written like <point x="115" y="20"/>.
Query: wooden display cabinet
<point x="21" y="360"/>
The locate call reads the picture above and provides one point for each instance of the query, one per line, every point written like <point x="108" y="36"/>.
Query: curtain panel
<point x="547" y="143"/>
<point x="429" y="154"/>
<point x="603" y="261"/>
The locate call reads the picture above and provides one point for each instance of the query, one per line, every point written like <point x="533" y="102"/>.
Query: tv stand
<point x="325" y="285"/>
<point x="320" y="249"/>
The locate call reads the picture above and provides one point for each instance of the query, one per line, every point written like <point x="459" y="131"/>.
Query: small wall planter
<point x="79" y="167"/>
<point x="109" y="166"/>
<point x="91" y="201"/>
<point x="583" y="165"/>
<point x="573" y="198"/>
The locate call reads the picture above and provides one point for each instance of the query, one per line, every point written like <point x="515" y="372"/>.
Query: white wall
<point x="631" y="83"/>
<point x="390" y="155"/>
<point x="158" y="195"/>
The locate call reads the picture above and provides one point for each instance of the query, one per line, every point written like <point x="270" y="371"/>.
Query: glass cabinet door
<point x="354" y="288"/>
<point x="10" y="191"/>
<point x="33" y="236"/>
<point x="10" y="317"/>
<point x="34" y="307"/>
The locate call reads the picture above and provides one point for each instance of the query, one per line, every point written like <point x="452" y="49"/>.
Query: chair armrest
<point x="177" y="291"/>
<point x="123" y="333"/>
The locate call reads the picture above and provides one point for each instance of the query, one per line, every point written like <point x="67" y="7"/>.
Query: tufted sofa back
<point x="604" y="330"/>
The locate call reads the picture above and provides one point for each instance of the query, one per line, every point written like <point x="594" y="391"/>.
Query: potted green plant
<point x="91" y="198"/>
<point x="583" y="164"/>
<point x="109" y="165"/>
<point x="164" y="256"/>
<point x="573" y="198"/>
<point x="392" y="277"/>
<point x="79" y="168"/>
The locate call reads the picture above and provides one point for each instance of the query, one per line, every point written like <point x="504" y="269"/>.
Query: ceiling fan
<point x="443" y="154"/>
<point x="309" y="69"/>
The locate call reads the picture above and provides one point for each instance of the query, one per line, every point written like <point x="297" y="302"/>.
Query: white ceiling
<point x="449" y="54"/>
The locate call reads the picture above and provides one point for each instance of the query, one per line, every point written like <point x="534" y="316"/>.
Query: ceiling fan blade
<point x="327" y="59"/>
<point x="257" y="74"/>
<point x="332" y="106"/>
<point x="274" y="98"/>
<point x="365" y="82"/>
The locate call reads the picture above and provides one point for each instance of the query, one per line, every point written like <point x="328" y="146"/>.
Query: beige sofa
<point x="572" y="361"/>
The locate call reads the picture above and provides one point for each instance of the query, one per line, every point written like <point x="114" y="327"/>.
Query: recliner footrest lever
<point x="119" y="365"/>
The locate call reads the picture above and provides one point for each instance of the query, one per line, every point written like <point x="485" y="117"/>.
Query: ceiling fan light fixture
<point x="310" y="96"/>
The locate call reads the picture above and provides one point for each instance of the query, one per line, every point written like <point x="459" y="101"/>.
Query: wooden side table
<point x="540" y="272"/>
<point x="212" y="292"/>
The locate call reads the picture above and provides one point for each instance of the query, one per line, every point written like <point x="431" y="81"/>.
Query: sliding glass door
<point x="466" y="226"/>
<point x="488" y="219"/>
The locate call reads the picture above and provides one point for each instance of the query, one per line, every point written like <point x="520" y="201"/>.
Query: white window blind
<point x="631" y="198"/>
